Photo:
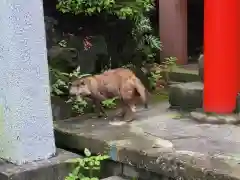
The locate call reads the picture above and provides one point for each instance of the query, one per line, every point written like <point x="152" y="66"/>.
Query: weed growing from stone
<point x="87" y="168"/>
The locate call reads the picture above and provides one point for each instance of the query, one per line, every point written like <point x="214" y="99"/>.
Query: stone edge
<point x="57" y="167"/>
<point x="207" y="118"/>
<point x="170" y="164"/>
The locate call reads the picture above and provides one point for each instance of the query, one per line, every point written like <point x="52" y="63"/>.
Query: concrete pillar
<point x="26" y="126"/>
<point x="220" y="55"/>
<point x="173" y="28"/>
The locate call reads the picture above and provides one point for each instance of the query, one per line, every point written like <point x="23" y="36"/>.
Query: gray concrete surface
<point x="160" y="141"/>
<point x="26" y="127"/>
<point x="111" y="168"/>
<point x="56" y="168"/>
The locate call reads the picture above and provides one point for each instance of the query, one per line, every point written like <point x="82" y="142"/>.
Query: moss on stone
<point x="159" y="96"/>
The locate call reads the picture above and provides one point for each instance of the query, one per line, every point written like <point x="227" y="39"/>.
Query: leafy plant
<point x="168" y="65"/>
<point x="59" y="81"/>
<point x="134" y="11"/>
<point x="122" y="9"/>
<point x="87" y="167"/>
<point x="60" y="84"/>
<point x="78" y="106"/>
<point x="109" y="103"/>
<point x="154" y="78"/>
<point x="147" y="44"/>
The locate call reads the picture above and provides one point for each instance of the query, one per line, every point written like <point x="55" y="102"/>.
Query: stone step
<point x="189" y="96"/>
<point x="55" y="168"/>
<point x="187" y="73"/>
<point x="159" y="144"/>
<point x="114" y="178"/>
<point x="186" y="96"/>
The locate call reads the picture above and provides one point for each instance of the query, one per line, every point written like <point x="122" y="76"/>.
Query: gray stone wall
<point x="112" y="168"/>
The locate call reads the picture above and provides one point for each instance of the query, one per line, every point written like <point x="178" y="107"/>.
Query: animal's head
<point x="80" y="87"/>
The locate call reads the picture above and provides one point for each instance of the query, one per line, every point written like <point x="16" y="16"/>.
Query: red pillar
<point x="173" y="29"/>
<point x="238" y="28"/>
<point x="220" y="55"/>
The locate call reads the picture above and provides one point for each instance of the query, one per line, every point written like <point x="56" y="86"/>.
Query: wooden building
<point x="181" y="28"/>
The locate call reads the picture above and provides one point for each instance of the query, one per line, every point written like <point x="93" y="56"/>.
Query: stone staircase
<point x="185" y="73"/>
<point x="187" y="94"/>
<point x="186" y="91"/>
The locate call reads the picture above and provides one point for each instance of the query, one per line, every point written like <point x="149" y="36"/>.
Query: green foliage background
<point x="132" y="16"/>
<point x="129" y="33"/>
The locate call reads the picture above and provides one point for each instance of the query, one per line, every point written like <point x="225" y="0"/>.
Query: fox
<point x="119" y="83"/>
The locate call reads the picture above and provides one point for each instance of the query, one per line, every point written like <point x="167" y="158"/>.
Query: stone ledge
<point x="185" y="73"/>
<point x="114" y="178"/>
<point x="211" y="118"/>
<point x="129" y="145"/>
<point x="183" y="77"/>
<point x="114" y="168"/>
<point x="56" y="168"/>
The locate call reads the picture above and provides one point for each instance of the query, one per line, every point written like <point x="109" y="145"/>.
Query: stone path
<point x="114" y="178"/>
<point x="162" y="141"/>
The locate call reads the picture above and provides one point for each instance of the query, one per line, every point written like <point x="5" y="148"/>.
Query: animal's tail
<point x="142" y="92"/>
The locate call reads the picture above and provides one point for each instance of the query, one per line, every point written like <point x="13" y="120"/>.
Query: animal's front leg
<point x="100" y="110"/>
<point x="98" y="98"/>
<point x="121" y="111"/>
<point x="129" y="114"/>
<point x="129" y="111"/>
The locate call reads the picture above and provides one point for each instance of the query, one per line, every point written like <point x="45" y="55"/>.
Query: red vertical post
<point x="238" y="38"/>
<point x="173" y="29"/>
<point x="220" y="55"/>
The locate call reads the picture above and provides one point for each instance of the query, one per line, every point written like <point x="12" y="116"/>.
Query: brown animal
<point x="120" y="82"/>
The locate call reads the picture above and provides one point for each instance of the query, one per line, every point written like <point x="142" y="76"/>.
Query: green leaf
<point x="82" y="163"/>
<point x="96" y="168"/>
<point x="87" y="168"/>
<point x="97" y="163"/>
<point x="71" y="177"/>
<point x="91" y="163"/>
<point x="76" y="171"/>
<point x="86" y="178"/>
<point x="94" y="178"/>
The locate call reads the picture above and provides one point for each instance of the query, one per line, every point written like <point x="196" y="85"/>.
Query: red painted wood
<point x="238" y="27"/>
<point x="173" y="29"/>
<point x="220" y="55"/>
